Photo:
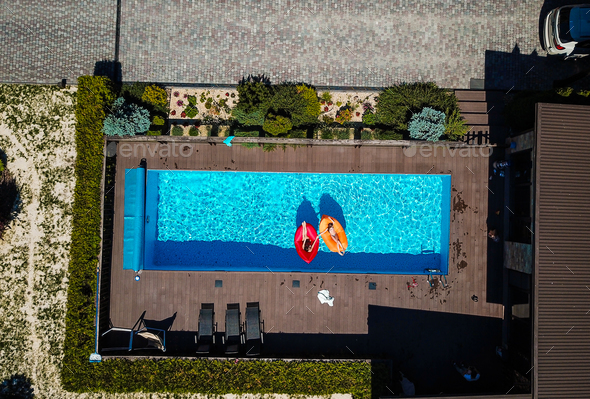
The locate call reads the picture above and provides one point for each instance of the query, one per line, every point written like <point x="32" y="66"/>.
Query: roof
<point x="562" y="252"/>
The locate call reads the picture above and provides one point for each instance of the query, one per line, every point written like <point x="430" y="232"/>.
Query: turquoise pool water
<point x="241" y="220"/>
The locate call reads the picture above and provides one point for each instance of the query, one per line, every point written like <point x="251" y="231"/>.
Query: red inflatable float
<point x="311" y="235"/>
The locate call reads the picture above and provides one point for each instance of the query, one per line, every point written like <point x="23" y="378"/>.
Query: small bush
<point x="387" y="134"/>
<point x="276" y="124"/>
<point x="191" y="111"/>
<point x="193" y="131"/>
<point x="429" y="125"/>
<point x="158" y="121"/>
<point x="177" y="131"/>
<point x="369" y="118"/>
<point x="133" y="91"/>
<point x="127" y="119"/>
<point x="327" y="96"/>
<point x="398" y="103"/>
<point x="154" y="133"/>
<point x="343" y="116"/>
<point x="253" y="96"/>
<point x="328" y="133"/>
<point x="564" y="91"/>
<point x="1" y="165"/>
<point x="255" y="118"/>
<point x="455" y="127"/>
<point x="366" y="134"/>
<point x="298" y="134"/>
<point x="312" y="103"/>
<point x="155" y="95"/>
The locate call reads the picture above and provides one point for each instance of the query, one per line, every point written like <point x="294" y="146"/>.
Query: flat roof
<point x="562" y="252"/>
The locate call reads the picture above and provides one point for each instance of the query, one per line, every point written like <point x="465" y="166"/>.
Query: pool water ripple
<point x="382" y="213"/>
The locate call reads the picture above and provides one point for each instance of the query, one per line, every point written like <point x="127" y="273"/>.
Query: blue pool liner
<point x="252" y="257"/>
<point x="134" y="231"/>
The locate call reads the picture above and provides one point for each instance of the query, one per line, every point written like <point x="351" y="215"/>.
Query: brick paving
<point x="327" y="43"/>
<point x="45" y="42"/>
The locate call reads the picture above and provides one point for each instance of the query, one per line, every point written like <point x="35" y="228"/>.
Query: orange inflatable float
<point x="327" y="237"/>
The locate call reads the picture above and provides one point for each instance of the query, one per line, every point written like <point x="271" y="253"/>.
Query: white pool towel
<point x="324" y="297"/>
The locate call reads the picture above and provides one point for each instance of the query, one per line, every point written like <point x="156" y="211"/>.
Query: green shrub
<point x="193" y="131"/>
<point x="366" y="135"/>
<point x="312" y="103"/>
<point x="155" y="95"/>
<point x="429" y="125"/>
<point x="253" y="96"/>
<point x="269" y="147"/>
<point x="154" y="133"/>
<point x="564" y="91"/>
<point x="327" y="96"/>
<point x="328" y="133"/>
<point x="1" y="165"/>
<point x="276" y="124"/>
<point x="397" y="104"/>
<point x="133" y="91"/>
<point x="455" y="126"/>
<point x="158" y="121"/>
<point x="583" y="93"/>
<point x="343" y="116"/>
<point x="177" y="131"/>
<point x="387" y="134"/>
<point x="369" y="118"/>
<point x="126" y="119"/>
<point x="298" y="134"/>
<point x="255" y="118"/>
<point x="191" y="111"/>
<point x="290" y="102"/>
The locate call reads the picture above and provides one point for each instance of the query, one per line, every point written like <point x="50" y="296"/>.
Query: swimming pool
<point x="245" y="221"/>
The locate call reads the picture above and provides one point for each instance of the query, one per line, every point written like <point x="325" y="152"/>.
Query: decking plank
<point x="163" y="293"/>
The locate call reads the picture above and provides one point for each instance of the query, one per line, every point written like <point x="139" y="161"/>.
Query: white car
<point x="567" y="31"/>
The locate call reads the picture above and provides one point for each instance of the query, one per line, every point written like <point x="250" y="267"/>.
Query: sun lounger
<point x="233" y="335"/>
<point x="206" y="334"/>
<point x="254" y="338"/>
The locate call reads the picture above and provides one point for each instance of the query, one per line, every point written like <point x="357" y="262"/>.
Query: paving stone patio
<point x="327" y="43"/>
<point x="45" y="42"/>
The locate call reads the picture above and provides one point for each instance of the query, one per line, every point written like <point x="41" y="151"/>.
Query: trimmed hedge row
<point x="95" y="96"/>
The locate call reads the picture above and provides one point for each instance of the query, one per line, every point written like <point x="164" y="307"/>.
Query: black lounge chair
<point x="205" y="338"/>
<point x="254" y="329"/>
<point x="233" y="336"/>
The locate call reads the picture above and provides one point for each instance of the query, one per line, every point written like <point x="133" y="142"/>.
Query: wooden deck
<point x="297" y="310"/>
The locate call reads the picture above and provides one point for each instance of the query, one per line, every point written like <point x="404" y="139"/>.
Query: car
<point x="567" y="31"/>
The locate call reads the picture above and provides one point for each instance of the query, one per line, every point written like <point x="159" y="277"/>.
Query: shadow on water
<point x="329" y="207"/>
<point x="305" y="212"/>
<point x="244" y="256"/>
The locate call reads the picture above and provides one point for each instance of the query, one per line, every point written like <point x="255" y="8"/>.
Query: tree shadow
<point x="329" y="207"/>
<point x="17" y="386"/>
<point x="10" y="200"/>
<point x="110" y="69"/>
<point x="305" y="212"/>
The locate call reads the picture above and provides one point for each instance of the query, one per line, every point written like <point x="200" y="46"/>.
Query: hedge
<point x="175" y="375"/>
